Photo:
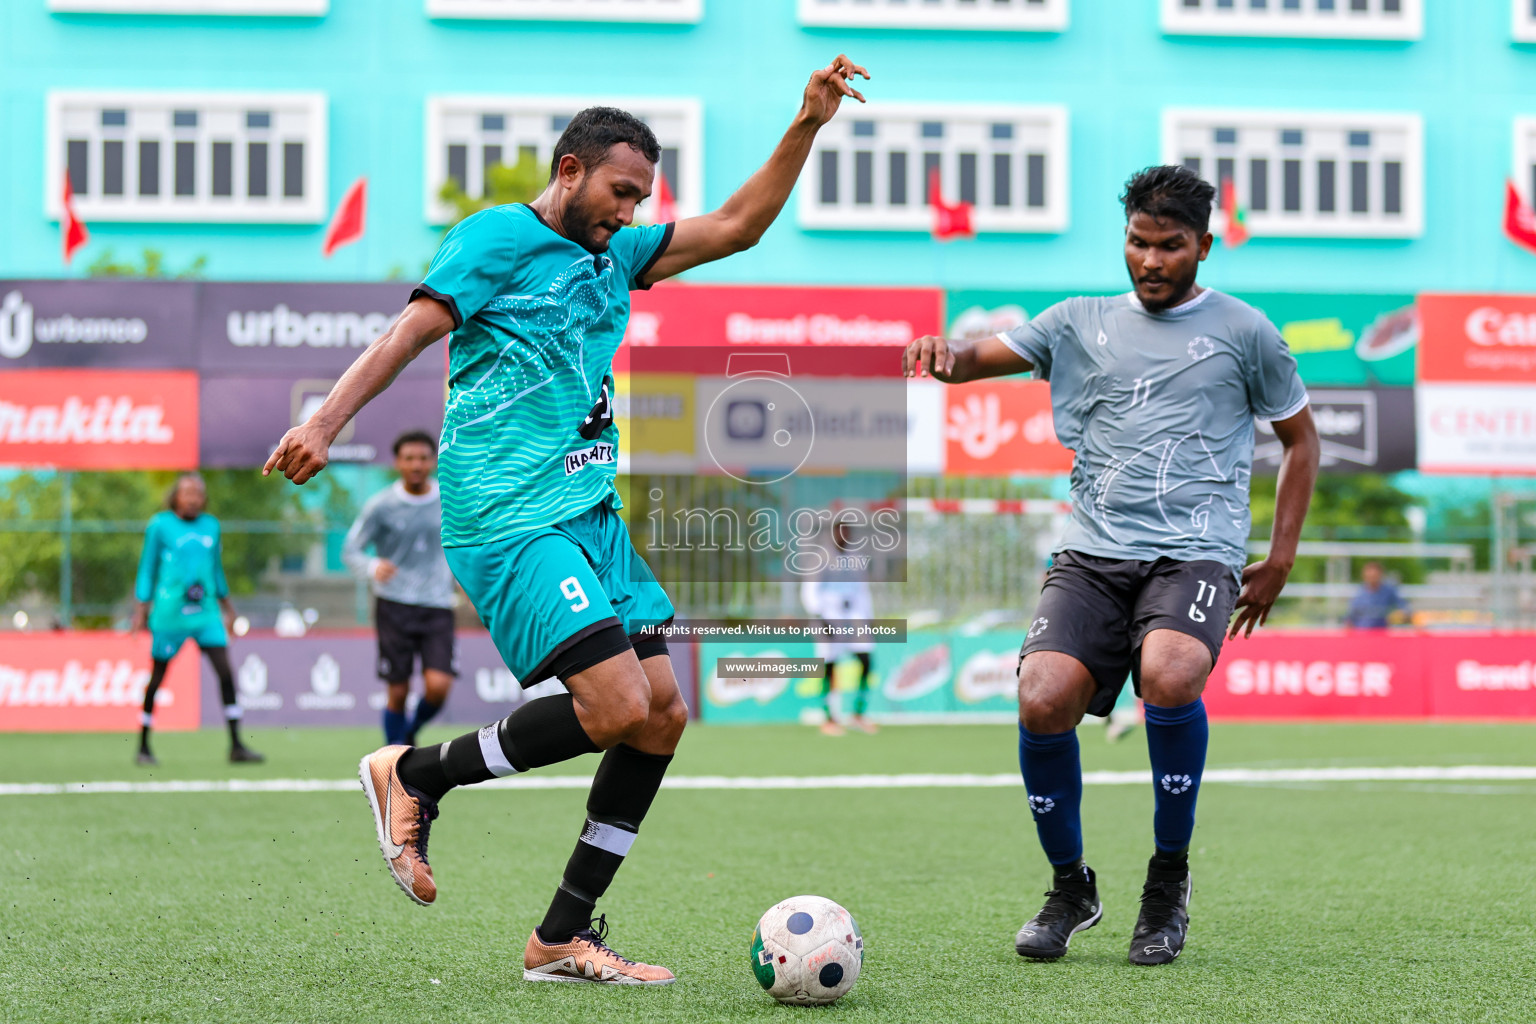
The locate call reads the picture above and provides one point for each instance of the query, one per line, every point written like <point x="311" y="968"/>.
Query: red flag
<point x="1519" y="219"/>
<point x="347" y="225"/>
<point x="71" y="226"/>
<point x="666" y="204"/>
<point x="1237" y="218"/>
<point x="950" y="220"/>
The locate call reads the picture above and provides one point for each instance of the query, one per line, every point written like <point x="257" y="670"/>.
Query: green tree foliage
<point x="151" y="266"/>
<point x="519" y="183"/>
<point x="1345" y="507"/>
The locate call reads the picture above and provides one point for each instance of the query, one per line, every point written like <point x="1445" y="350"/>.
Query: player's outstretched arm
<point x="740" y="223"/>
<point x="1263" y="581"/>
<point x="305" y="450"/>
<point x="954" y="361"/>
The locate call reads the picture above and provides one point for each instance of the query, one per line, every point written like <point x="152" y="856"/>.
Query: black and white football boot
<point x="1163" y="924"/>
<point x="1071" y="907"/>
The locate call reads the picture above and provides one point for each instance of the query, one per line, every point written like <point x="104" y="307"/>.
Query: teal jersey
<point x="528" y="436"/>
<point x="181" y="571"/>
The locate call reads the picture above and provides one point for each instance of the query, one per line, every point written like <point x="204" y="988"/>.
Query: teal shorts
<point x="164" y="643"/>
<point x="561" y="598"/>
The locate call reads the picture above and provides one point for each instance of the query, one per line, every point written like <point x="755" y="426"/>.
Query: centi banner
<point x="1338" y="340"/>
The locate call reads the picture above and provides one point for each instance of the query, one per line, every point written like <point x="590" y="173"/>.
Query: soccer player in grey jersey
<point x="411" y="583"/>
<point x="1156" y="392"/>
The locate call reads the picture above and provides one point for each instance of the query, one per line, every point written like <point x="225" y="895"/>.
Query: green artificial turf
<point x="1321" y="902"/>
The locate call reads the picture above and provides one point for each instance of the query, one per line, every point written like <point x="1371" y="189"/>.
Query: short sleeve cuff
<point x="1023" y="347"/>
<point x="1286" y="414"/>
<point x="666" y="239"/>
<point x="425" y="290"/>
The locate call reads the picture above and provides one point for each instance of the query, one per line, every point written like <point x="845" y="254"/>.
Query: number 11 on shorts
<point x="1194" y="609"/>
<point x="571" y="588"/>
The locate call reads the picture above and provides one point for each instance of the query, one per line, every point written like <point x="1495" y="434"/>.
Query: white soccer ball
<point x="807" y="951"/>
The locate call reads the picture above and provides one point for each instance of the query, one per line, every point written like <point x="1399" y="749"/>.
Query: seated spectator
<point x="1377" y="604"/>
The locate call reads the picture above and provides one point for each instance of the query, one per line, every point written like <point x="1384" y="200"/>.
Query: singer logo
<point x="93" y="419"/>
<point x="19" y="328"/>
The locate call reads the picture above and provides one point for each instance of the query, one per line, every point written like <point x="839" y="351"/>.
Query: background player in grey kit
<point x="412" y="584"/>
<point x="1156" y="392"/>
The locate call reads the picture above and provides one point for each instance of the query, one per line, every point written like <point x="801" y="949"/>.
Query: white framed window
<point x="1014" y="15"/>
<point x="870" y="168"/>
<point x="468" y="134"/>
<point x="1524" y="20"/>
<point x="257" y="7"/>
<point x="1339" y="19"/>
<point x="682" y="11"/>
<point x="189" y="156"/>
<point x="1309" y="174"/>
<point x="1524" y="171"/>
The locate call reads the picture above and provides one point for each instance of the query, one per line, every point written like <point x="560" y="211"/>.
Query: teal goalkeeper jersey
<point x="528" y="438"/>
<point x="181" y="572"/>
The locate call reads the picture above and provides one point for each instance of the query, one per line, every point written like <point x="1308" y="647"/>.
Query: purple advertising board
<point x="100" y="324"/>
<point x="242" y="417"/>
<point x="330" y="679"/>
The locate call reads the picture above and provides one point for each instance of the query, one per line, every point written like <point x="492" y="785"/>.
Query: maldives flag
<point x="347" y="225"/>
<point x="1519" y="219"/>
<point x="70" y="225"/>
<point x="1237" y="218"/>
<point x="666" y="203"/>
<point x="950" y="220"/>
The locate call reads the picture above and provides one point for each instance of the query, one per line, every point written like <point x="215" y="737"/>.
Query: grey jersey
<point x="1159" y="408"/>
<point x="405" y="529"/>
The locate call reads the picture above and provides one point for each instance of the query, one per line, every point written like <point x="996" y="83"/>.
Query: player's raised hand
<point x="825" y="92"/>
<point x="1262" y="583"/>
<point x="928" y="356"/>
<point x="302" y="453"/>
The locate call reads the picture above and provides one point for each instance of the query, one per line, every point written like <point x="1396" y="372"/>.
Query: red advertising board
<point x="1477" y="338"/>
<point x="90" y="682"/>
<point x="99" y="419"/>
<point x="1370" y="674"/>
<point x="1002" y="427"/>
<point x="704" y="314"/>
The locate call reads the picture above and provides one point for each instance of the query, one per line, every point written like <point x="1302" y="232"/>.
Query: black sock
<point x="144" y="740"/>
<point x="622" y="791"/>
<point x="541" y="732"/>
<point x="1171" y="861"/>
<point x="156" y="677"/>
<point x="1075" y="873"/>
<point x="218" y="657"/>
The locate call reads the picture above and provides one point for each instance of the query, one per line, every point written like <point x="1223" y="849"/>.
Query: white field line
<point x="1260" y="776"/>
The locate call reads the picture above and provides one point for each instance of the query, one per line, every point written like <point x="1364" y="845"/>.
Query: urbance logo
<point x="286" y="328"/>
<point x="20" y="328"/>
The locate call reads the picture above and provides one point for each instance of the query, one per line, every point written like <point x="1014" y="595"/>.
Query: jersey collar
<point x="1180" y="310"/>
<point x="415" y="499"/>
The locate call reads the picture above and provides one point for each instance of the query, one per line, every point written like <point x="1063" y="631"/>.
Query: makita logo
<point x="19" y="329"/>
<point x="1488" y="325"/>
<point x="287" y="328"/>
<point x="601" y="452"/>
<point x="1312" y="679"/>
<point x="821" y="329"/>
<point x="1474" y="675"/>
<point x="106" y="684"/>
<point x="107" y="420"/>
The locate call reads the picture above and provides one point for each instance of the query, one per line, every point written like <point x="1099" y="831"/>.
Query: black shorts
<point x="1098" y="610"/>
<point x="407" y="631"/>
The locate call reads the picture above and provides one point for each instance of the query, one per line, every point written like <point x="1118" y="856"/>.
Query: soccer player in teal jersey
<point x="537" y="298"/>
<point x="181" y="592"/>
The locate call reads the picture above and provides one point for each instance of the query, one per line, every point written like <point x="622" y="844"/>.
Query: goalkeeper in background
<point x="181" y="591"/>
<point x="840" y="595"/>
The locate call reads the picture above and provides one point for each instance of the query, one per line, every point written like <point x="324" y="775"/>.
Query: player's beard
<point x="581" y="223"/>
<point x="1177" y="293"/>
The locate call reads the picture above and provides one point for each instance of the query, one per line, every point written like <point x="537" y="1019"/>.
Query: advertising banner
<point x="298" y="329"/>
<point x="1370" y="429"/>
<point x="243" y="417"/>
<point x="101" y="324"/>
<point x="1477" y="428"/>
<point x="704" y="314"/>
<point x="99" y="419"/>
<point x="89" y="682"/>
<point x="1001" y="427"/>
<point x="1330" y="675"/>
<point x="1478" y="338"/>
<point x="1340" y="340"/>
<point x="1486" y="675"/>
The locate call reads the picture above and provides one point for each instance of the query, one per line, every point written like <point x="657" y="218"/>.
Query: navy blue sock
<point x="1176" y="740"/>
<point x="425" y="712"/>
<point x="1053" y="777"/>
<point x="394" y="727"/>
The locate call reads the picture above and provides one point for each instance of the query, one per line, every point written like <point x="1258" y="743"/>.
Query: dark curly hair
<point x="591" y="133"/>
<point x="1175" y="193"/>
<point x="414" y="437"/>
